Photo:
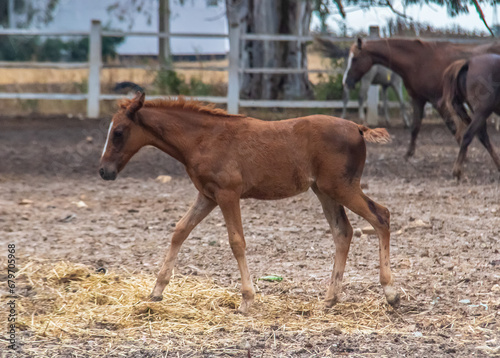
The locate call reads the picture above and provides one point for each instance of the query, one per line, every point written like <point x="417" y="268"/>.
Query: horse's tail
<point x="128" y="85"/>
<point x="451" y="84"/>
<point x="330" y="48"/>
<point x="377" y="135"/>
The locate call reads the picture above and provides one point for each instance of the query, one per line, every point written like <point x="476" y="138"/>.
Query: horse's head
<point x="359" y="62"/>
<point x="125" y="137"/>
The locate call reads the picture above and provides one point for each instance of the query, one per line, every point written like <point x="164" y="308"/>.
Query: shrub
<point x="18" y="48"/>
<point x="330" y="88"/>
<point x="170" y="82"/>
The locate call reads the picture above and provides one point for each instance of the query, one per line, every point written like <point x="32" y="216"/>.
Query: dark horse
<point x="421" y="64"/>
<point x="231" y="157"/>
<point x="475" y="81"/>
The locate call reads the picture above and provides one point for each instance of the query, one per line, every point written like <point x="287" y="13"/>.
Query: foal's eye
<point x="118" y="134"/>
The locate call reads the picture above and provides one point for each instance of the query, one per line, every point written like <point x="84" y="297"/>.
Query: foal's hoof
<point x="457" y="174"/>
<point x="155" y="298"/>
<point x="392" y="296"/>
<point x="330" y="302"/>
<point x="245" y="307"/>
<point x="394" y="301"/>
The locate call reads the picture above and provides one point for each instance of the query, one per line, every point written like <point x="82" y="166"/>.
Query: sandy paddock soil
<point x="444" y="249"/>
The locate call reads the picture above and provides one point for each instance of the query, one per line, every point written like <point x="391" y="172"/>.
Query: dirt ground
<point x="444" y="249"/>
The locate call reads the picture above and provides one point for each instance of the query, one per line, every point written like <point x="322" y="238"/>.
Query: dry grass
<point x="140" y="76"/>
<point x="74" y="81"/>
<point x="66" y="302"/>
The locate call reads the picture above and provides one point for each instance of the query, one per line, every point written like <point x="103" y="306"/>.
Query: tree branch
<point x="481" y="15"/>
<point x="340" y="7"/>
<point x="389" y="5"/>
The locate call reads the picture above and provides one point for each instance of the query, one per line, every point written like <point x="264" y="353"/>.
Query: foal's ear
<point x="135" y="104"/>
<point x="360" y="43"/>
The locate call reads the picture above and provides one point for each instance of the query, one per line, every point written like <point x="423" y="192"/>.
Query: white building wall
<point x="192" y="17"/>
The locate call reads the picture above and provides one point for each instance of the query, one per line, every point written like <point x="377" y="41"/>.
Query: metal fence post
<point x="95" y="63"/>
<point x="233" y="84"/>
<point x="373" y="92"/>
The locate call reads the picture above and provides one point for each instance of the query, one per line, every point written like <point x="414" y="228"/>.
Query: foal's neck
<point x="173" y="130"/>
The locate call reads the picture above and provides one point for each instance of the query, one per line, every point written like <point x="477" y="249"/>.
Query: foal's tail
<point x="377" y="135"/>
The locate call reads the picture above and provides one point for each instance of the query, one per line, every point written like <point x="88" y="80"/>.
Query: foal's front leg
<point x="229" y="203"/>
<point x="200" y="209"/>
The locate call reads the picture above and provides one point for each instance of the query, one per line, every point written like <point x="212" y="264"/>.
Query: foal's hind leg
<point x="379" y="217"/>
<point x="200" y="209"/>
<point x="342" y="235"/>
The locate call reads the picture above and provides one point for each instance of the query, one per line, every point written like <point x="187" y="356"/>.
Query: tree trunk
<point x="273" y="17"/>
<point x="164" y="26"/>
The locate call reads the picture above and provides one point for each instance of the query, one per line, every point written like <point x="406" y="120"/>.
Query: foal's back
<point x="284" y="158"/>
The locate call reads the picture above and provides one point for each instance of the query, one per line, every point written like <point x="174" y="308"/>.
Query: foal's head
<point x="125" y="137"/>
<point x="359" y="62"/>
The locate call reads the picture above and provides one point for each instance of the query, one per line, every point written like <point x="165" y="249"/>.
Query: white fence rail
<point x="94" y="64"/>
<point x="93" y="95"/>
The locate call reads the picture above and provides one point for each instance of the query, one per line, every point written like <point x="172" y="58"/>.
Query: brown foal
<point x="231" y="157"/>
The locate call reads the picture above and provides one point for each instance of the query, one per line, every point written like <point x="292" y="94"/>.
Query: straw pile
<point x="69" y="302"/>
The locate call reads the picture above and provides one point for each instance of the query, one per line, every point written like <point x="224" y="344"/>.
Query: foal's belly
<point x="278" y="186"/>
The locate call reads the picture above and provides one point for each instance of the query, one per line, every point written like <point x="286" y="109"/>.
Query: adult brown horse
<point x="231" y="157"/>
<point x="475" y="81"/>
<point x="421" y="64"/>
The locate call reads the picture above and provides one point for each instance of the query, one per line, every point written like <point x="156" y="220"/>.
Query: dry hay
<point x="70" y="302"/>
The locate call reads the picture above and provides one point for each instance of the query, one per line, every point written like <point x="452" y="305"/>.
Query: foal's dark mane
<point x="181" y="103"/>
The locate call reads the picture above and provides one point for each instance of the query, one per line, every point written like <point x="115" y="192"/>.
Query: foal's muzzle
<point x="107" y="174"/>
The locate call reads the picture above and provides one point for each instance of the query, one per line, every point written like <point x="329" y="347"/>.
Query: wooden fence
<point x="94" y="64"/>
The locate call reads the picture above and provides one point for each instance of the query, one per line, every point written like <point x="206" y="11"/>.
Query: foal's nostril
<point x="101" y="172"/>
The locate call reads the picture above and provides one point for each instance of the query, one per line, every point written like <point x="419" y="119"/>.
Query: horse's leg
<point x="397" y="85"/>
<point x="483" y="136"/>
<point x="386" y="109"/>
<point x="229" y="203"/>
<point x="472" y="130"/>
<point x="418" y="114"/>
<point x="363" y="92"/>
<point x="345" y="99"/>
<point x="198" y="211"/>
<point x="379" y="217"/>
<point x="453" y="125"/>
<point x="342" y="235"/>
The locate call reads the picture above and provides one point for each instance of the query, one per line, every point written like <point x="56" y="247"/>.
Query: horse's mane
<point x="181" y="103"/>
